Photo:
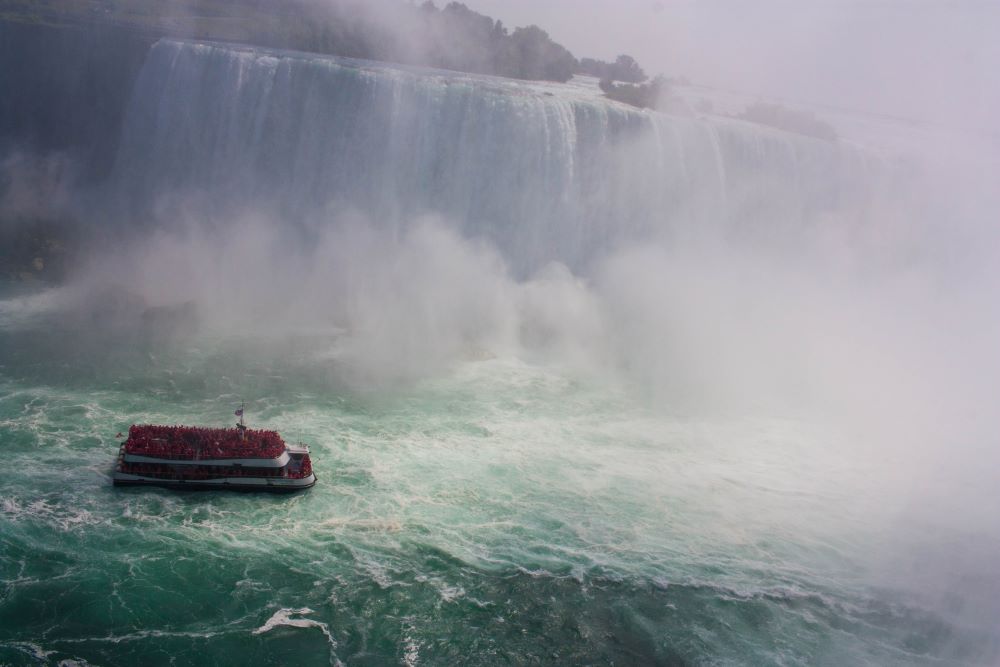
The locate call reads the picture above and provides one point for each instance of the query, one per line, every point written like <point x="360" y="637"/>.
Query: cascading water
<point x="544" y="176"/>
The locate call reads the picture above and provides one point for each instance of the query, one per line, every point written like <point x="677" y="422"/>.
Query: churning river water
<point x="502" y="512"/>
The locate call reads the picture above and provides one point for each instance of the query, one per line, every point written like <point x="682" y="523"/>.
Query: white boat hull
<point x="271" y="484"/>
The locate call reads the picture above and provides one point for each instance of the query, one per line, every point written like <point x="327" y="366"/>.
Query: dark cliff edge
<point x="66" y="88"/>
<point x="64" y="91"/>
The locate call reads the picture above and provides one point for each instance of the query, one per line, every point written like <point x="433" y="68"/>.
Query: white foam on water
<point x="10" y="506"/>
<point x="285" y="618"/>
<point x="64" y="517"/>
<point x="32" y="649"/>
<point x="411" y="646"/>
<point x="446" y="591"/>
<point x="384" y="525"/>
<point x="143" y="635"/>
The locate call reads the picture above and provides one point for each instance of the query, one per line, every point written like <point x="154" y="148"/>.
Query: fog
<point x="901" y="351"/>
<point x="922" y="60"/>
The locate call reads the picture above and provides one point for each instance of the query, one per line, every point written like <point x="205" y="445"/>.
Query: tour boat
<point x="191" y="457"/>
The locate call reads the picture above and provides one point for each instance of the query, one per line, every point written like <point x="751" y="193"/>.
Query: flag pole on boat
<point x="241" y="426"/>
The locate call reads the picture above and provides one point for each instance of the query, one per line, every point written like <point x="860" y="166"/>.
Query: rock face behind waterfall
<point x="546" y="172"/>
<point x="66" y="90"/>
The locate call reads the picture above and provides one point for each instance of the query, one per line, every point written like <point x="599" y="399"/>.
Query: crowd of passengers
<point x="304" y="470"/>
<point x="185" y="442"/>
<point x="166" y="471"/>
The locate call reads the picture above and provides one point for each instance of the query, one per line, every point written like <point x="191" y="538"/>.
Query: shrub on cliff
<point x="624" y="68"/>
<point x="644" y="95"/>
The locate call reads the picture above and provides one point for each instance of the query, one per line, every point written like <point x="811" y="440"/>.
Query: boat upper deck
<point x="196" y="443"/>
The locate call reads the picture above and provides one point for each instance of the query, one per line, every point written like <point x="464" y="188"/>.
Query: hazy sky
<point x="936" y="60"/>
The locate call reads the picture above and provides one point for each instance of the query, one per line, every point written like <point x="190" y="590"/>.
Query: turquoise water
<point x="500" y="511"/>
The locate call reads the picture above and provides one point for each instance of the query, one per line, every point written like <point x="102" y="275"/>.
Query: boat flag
<point x="239" y="413"/>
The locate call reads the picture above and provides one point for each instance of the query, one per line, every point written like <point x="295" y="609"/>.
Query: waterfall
<point x="543" y="171"/>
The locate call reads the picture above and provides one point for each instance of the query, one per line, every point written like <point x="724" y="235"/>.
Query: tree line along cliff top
<point x="451" y="37"/>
